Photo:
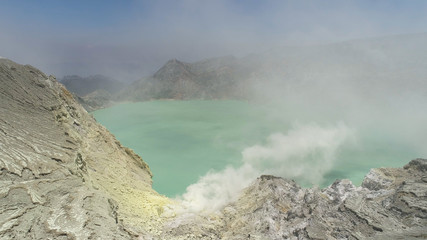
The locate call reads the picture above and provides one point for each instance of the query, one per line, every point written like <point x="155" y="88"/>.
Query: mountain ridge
<point x="83" y="86"/>
<point x="208" y="79"/>
<point x="377" y="66"/>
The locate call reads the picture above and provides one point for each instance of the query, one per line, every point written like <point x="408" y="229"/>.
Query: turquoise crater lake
<point x="183" y="140"/>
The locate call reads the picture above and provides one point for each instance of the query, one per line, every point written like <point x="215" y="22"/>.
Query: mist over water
<point x="205" y="152"/>
<point x="305" y="153"/>
<point x="183" y="140"/>
<point x="315" y="114"/>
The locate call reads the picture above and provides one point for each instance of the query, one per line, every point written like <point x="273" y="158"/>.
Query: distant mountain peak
<point x="174" y="60"/>
<point x="175" y="63"/>
<point x="174" y="69"/>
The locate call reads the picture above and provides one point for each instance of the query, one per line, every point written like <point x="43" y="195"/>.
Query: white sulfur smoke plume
<point x="305" y="153"/>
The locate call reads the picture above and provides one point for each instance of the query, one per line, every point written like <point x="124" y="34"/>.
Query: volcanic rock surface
<point x="63" y="175"/>
<point x="390" y="204"/>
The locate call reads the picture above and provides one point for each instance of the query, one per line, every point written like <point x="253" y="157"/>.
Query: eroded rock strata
<point x="63" y="176"/>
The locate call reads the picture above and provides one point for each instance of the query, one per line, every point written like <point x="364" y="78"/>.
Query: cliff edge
<point x="62" y="174"/>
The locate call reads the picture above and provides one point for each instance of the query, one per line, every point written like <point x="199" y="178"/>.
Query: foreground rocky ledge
<point x="63" y="176"/>
<point x="390" y="204"/>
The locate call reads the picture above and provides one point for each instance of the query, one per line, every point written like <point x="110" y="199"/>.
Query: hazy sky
<point x="130" y="39"/>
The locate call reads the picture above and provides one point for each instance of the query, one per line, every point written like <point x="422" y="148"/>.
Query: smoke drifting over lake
<point x="305" y="153"/>
<point x="302" y="60"/>
<point x="375" y="89"/>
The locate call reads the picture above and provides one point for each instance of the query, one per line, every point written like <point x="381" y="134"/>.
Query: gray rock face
<point x="62" y="175"/>
<point x="390" y="204"/>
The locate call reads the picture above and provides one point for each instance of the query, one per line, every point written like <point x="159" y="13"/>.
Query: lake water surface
<point x="183" y="140"/>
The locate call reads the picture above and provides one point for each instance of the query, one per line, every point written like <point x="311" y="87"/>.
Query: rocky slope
<point x="63" y="176"/>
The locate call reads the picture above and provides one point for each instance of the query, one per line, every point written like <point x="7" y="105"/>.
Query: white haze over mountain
<point x="138" y="37"/>
<point x="304" y="152"/>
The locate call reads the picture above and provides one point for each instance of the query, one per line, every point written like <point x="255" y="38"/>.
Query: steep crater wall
<point x="62" y="174"/>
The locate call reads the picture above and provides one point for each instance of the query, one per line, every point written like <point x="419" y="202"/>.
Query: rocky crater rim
<point x="64" y="176"/>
